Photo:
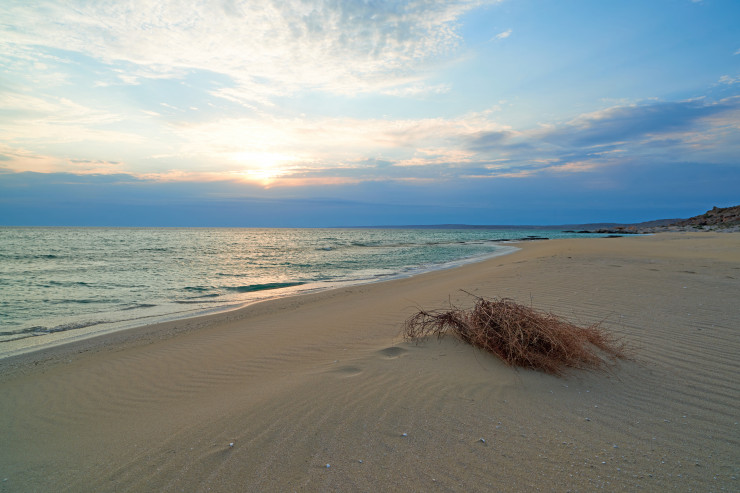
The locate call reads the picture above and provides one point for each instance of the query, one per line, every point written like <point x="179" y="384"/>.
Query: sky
<point x="310" y="113"/>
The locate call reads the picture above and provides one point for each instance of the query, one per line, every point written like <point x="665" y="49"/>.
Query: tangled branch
<point x="520" y="335"/>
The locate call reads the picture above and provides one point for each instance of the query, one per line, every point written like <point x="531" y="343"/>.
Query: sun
<point x="262" y="167"/>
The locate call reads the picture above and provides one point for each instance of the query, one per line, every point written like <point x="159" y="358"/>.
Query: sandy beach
<point x="320" y="393"/>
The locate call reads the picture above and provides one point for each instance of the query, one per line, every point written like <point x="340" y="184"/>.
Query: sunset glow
<point x="481" y="111"/>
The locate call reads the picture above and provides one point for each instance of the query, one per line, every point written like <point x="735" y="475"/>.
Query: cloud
<point x="475" y="145"/>
<point x="495" y="140"/>
<point x="321" y="142"/>
<point x="52" y="109"/>
<point x="47" y="133"/>
<point x="650" y="133"/>
<point x="729" y="80"/>
<point x="266" y="47"/>
<point x="417" y="89"/>
<point x="274" y="152"/>
<point x="18" y="158"/>
<point x="503" y="35"/>
<point x="635" y="122"/>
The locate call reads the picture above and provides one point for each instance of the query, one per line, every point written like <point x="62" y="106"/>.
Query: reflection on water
<point x="55" y="280"/>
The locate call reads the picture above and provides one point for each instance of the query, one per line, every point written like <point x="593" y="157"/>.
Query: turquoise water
<point x="60" y="283"/>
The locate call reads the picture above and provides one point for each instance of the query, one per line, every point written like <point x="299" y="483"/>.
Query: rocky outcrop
<point x="718" y="217"/>
<point x="725" y="219"/>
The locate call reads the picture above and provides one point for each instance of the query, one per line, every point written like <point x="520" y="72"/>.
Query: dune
<point x="320" y="393"/>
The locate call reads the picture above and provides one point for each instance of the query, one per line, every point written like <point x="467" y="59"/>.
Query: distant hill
<point x="718" y="217"/>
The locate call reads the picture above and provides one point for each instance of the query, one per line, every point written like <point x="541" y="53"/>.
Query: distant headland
<point x="725" y="219"/>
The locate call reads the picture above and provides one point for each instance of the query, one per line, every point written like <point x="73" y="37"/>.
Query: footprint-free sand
<point x="319" y="392"/>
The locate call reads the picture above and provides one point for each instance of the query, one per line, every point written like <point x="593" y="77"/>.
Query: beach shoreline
<point x="174" y="323"/>
<point x="266" y="396"/>
<point x="74" y="283"/>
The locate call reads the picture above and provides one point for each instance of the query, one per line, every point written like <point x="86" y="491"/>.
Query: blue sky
<point x="328" y="113"/>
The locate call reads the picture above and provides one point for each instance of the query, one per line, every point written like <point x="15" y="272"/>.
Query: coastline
<point x="170" y="321"/>
<point x="299" y="382"/>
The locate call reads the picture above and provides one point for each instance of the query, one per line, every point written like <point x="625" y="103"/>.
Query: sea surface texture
<point x="63" y="283"/>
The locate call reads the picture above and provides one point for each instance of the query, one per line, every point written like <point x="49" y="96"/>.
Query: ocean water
<point x="58" y="284"/>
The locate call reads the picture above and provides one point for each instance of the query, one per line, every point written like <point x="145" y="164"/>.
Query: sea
<point x="59" y="284"/>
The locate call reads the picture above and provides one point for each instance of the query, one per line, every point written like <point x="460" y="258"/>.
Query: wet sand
<point x="297" y="384"/>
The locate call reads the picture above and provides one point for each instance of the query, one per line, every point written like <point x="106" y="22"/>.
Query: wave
<point x="199" y="299"/>
<point x="198" y="289"/>
<point x="82" y="301"/>
<point x="137" y="306"/>
<point x="262" y="287"/>
<point x="27" y="257"/>
<point x="407" y="244"/>
<point x="196" y="301"/>
<point x="69" y="284"/>
<point x="40" y="330"/>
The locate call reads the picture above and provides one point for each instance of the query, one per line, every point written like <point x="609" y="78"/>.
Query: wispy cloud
<point x="417" y="89"/>
<point x="57" y="120"/>
<point x="264" y="46"/>
<point x="13" y="158"/>
<point x="503" y="35"/>
<point x="636" y="122"/>
<point x="279" y="151"/>
<point x="729" y="80"/>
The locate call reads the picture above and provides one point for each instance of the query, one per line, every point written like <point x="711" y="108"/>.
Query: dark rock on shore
<point x="725" y="219"/>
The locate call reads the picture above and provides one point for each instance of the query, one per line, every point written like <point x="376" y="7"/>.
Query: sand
<point x="319" y="392"/>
